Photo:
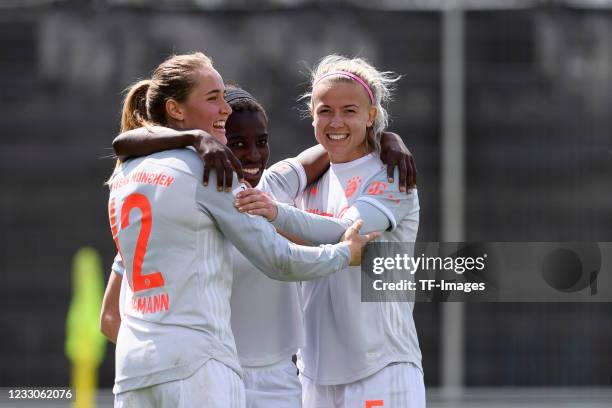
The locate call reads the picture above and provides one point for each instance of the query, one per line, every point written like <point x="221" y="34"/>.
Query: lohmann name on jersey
<point x="151" y="304"/>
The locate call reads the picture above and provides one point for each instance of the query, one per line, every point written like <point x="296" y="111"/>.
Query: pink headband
<point x="348" y="75"/>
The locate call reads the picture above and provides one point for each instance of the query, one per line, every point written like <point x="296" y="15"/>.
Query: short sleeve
<point x="285" y="180"/>
<point x="118" y="265"/>
<point x="386" y="197"/>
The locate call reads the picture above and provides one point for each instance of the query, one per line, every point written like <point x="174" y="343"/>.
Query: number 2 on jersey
<point x="139" y="201"/>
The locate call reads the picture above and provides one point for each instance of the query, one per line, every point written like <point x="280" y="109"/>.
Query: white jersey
<point x="347" y="340"/>
<point x="267" y="316"/>
<point x="173" y="236"/>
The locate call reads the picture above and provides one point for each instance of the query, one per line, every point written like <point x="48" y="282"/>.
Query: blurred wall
<point x="537" y="133"/>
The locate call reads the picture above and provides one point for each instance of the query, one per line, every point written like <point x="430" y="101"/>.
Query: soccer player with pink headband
<point x="355" y="351"/>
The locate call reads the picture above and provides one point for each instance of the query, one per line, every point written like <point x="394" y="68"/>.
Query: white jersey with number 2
<point x="173" y="235"/>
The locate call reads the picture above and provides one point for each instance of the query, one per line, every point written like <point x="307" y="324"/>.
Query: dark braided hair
<point x="242" y="101"/>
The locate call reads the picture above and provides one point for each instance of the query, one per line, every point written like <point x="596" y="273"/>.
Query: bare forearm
<point x="110" y="318"/>
<point x="109" y="325"/>
<point x="394" y="153"/>
<point x="390" y="137"/>
<point x="142" y="142"/>
<point x="315" y="161"/>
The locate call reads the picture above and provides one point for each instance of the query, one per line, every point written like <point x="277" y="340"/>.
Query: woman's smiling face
<point x="204" y="108"/>
<point x="342" y="113"/>
<point x="247" y="137"/>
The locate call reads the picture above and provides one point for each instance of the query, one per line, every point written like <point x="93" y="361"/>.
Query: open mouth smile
<point x="251" y="170"/>
<point x="219" y="125"/>
<point x="337" y="136"/>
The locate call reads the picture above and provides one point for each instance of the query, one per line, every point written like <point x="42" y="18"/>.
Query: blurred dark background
<point x="538" y="149"/>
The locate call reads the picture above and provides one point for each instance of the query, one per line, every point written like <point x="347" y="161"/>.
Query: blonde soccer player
<point x="355" y="352"/>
